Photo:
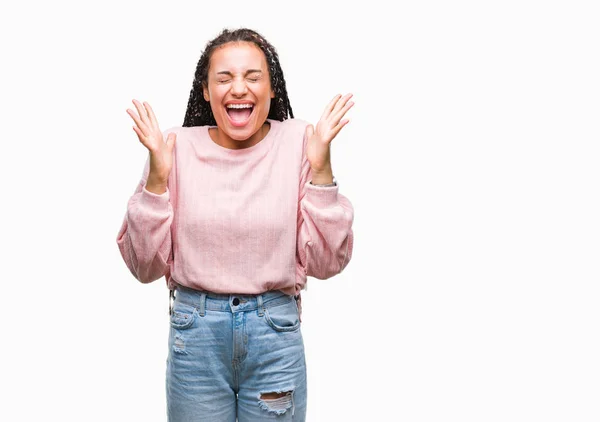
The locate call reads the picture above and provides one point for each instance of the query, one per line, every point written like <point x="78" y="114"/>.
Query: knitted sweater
<point x="242" y="221"/>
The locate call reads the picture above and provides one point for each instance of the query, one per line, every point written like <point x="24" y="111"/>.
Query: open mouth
<point x="239" y="114"/>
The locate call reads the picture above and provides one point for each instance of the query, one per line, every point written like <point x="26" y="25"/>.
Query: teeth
<point x="239" y="105"/>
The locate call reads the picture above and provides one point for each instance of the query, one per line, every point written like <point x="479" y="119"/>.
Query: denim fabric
<point x="225" y="351"/>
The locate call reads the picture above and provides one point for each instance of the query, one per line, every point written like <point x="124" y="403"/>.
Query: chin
<point x="242" y="132"/>
<point x="240" y="135"/>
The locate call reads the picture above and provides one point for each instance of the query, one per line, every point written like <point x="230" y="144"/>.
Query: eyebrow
<point x="226" y="72"/>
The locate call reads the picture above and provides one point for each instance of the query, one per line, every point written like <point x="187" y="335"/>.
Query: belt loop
<point x="261" y="309"/>
<point x="298" y="298"/>
<point x="171" y="300"/>
<point x="202" y="306"/>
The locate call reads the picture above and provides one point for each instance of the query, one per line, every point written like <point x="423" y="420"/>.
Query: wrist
<point x="156" y="186"/>
<point x="322" y="177"/>
<point x="333" y="183"/>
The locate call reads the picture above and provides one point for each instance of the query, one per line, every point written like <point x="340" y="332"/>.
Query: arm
<point x="325" y="236"/>
<point x="144" y="239"/>
<point x="145" y="236"/>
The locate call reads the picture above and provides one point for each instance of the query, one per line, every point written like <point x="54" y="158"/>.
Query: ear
<point x="272" y="94"/>
<point x="205" y="92"/>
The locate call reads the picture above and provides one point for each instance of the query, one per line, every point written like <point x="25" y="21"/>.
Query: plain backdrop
<point x="471" y="160"/>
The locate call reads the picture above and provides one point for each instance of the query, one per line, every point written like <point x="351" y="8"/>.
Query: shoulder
<point x="292" y="130"/>
<point x="185" y="135"/>
<point x="185" y="131"/>
<point x="292" y="125"/>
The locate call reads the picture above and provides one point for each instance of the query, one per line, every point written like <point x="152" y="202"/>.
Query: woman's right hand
<point x="161" y="153"/>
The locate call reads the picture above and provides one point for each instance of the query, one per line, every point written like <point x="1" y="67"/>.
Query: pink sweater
<point x="238" y="221"/>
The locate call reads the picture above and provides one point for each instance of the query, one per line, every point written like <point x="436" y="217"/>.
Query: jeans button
<point x="236" y="301"/>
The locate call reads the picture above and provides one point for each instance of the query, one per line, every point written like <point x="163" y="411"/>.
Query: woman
<point x="236" y="208"/>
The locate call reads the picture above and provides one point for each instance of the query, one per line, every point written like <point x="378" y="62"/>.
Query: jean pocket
<point x="283" y="317"/>
<point x="183" y="316"/>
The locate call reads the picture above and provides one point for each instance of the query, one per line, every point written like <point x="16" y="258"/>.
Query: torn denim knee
<point x="278" y="405"/>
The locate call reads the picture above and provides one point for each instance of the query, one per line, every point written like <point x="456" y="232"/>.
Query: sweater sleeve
<point x="144" y="239"/>
<point x="325" y="237"/>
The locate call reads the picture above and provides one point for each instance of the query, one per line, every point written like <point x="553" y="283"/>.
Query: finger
<point x="171" y="141"/>
<point x="151" y="115"/>
<point x="142" y="112"/>
<point x="341" y="103"/>
<point x="140" y="135"/>
<point x="337" y="116"/>
<point x="138" y="122"/>
<point x="330" y="106"/>
<point x="339" y="127"/>
<point x="309" y="131"/>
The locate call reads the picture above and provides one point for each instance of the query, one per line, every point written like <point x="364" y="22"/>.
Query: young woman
<point x="235" y="209"/>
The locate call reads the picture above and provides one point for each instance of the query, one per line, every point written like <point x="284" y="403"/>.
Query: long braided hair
<point x="198" y="111"/>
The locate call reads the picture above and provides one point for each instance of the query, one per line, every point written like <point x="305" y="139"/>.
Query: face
<point x="239" y="92"/>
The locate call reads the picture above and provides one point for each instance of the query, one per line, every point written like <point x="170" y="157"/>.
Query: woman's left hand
<point x="319" y="138"/>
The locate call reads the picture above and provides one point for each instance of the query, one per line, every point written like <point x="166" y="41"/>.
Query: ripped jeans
<point x="235" y="356"/>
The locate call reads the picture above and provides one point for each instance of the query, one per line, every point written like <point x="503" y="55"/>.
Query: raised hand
<point x="319" y="138"/>
<point x="161" y="153"/>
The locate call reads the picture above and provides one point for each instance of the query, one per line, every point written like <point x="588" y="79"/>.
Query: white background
<point x="471" y="160"/>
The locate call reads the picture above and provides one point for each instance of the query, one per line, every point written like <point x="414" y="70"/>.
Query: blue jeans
<point x="235" y="356"/>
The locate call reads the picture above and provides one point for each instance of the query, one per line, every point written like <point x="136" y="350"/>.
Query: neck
<point x="220" y="138"/>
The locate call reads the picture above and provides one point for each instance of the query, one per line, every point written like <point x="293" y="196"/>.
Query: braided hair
<point x="198" y="111"/>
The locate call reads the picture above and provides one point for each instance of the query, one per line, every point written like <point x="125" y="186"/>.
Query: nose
<point x="238" y="87"/>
